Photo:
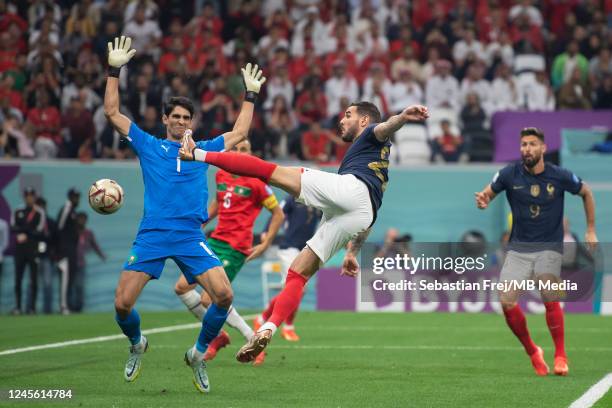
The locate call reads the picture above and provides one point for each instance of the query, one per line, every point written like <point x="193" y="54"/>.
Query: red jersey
<point x="240" y="200"/>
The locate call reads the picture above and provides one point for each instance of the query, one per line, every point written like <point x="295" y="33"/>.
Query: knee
<point x="508" y="300"/>
<point x="224" y="297"/>
<point x="123" y="305"/>
<point x="181" y="288"/>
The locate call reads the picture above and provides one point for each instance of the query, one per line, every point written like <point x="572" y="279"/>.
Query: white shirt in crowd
<point x="504" y="94"/>
<point x="278" y="86"/>
<point x="142" y="34"/>
<point x="404" y="94"/>
<point x="336" y="88"/>
<point x="442" y="92"/>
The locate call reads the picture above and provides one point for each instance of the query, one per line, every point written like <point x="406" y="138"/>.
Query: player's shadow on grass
<point x="14" y="374"/>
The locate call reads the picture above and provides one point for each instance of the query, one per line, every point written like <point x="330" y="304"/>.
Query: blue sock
<point x="211" y="326"/>
<point x="130" y="326"/>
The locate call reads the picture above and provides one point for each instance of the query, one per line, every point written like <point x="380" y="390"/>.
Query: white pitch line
<point x="105" y="338"/>
<point x="594" y="394"/>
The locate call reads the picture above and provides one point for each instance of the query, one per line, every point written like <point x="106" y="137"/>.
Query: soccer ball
<point x="105" y="196"/>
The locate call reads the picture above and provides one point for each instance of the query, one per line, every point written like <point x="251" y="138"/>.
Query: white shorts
<point x="346" y="206"/>
<point x="286" y="257"/>
<point x="520" y="266"/>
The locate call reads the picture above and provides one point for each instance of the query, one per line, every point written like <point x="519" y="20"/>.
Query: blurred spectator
<point x="80" y="130"/>
<point x="13" y="141"/>
<point x="468" y="48"/>
<point x="474" y="82"/>
<point x="473" y="115"/>
<point x="28" y="224"/>
<point x="340" y="84"/>
<point x="148" y="7"/>
<point x="46" y="254"/>
<point x="575" y="92"/>
<point x="316" y="145"/>
<point x="407" y="61"/>
<point x="150" y="123"/>
<point x="442" y="90"/>
<point x="449" y="146"/>
<point x="394" y="244"/>
<point x="142" y="95"/>
<point x="526" y="35"/>
<point x="377" y="89"/>
<point x="145" y="33"/>
<point x="67" y="244"/>
<point x="281" y="122"/>
<point x="405" y="92"/>
<point x="603" y="95"/>
<point x="4" y="244"/>
<point x="279" y="84"/>
<point x="87" y="242"/>
<point x="500" y="51"/>
<point x="80" y="89"/>
<point x="564" y="65"/>
<point x="309" y="32"/>
<point x="311" y="105"/>
<point x="270" y="42"/>
<point x="218" y="112"/>
<point x="535" y="94"/>
<point x="526" y="7"/>
<point x="45" y="121"/>
<point x="504" y="90"/>
<point x="601" y="65"/>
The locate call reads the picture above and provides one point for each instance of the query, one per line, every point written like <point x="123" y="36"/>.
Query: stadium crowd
<point x="464" y="59"/>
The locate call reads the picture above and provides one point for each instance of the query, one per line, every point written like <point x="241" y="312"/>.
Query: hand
<point x="253" y="79"/>
<point x="591" y="239"/>
<point x="256" y="252"/>
<point x="120" y="54"/>
<point x="415" y="113"/>
<point x="187" y="146"/>
<point x="350" y="266"/>
<point x="482" y="200"/>
<point x="21" y="238"/>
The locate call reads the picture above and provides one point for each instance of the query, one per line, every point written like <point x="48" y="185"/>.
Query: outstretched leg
<point x="287" y="178"/>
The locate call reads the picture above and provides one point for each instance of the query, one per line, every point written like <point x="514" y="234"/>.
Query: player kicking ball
<point x="535" y="192"/>
<point x="174" y="209"/>
<point x="238" y="203"/>
<point x="349" y="201"/>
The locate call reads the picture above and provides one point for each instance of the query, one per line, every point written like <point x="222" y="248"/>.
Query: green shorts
<point x="232" y="260"/>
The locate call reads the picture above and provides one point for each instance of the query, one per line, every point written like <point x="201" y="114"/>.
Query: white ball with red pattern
<point x="105" y="196"/>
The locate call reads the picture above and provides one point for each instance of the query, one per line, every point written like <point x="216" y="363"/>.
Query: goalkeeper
<point x="175" y="200"/>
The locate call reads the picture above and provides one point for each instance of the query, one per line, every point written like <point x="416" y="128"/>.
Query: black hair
<point x="181" y="101"/>
<point x="367" y="109"/>
<point x="532" y="131"/>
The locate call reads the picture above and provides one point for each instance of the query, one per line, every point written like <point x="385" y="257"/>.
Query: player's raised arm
<point x="119" y="54"/>
<point x="484" y="197"/>
<point x="253" y="80"/>
<point x="414" y="113"/>
<point x="589" y="210"/>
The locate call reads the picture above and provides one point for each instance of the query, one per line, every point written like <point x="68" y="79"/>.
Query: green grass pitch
<point x="343" y="360"/>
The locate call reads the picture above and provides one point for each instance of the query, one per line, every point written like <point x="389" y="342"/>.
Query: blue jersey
<point x="536" y="200"/>
<point x="300" y="223"/>
<point x="176" y="192"/>
<point x="368" y="160"/>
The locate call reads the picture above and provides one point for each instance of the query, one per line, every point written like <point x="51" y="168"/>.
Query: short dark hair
<point x="532" y="131"/>
<point x="181" y="101"/>
<point x="367" y="109"/>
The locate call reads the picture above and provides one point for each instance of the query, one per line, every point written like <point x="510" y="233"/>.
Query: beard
<point x="531" y="161"/>
<point x="349" y="135"/>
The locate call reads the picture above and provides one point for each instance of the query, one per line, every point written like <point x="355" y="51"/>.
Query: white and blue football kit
<point x="175" y="207"/>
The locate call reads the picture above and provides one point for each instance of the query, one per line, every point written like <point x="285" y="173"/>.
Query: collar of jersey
<point x="171" y="142"/>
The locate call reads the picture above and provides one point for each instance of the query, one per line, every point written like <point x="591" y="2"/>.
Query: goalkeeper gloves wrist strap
<point x="250" y="96"/>
<point x="114" y="71"/>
